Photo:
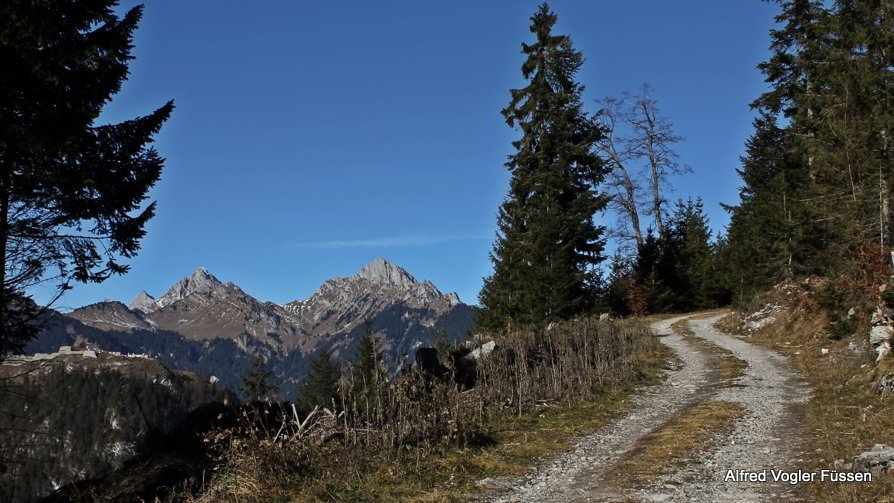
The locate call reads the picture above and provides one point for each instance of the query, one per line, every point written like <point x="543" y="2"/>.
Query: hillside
<point x="79" y="414"/>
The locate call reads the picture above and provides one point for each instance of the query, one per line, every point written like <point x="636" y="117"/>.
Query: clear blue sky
<point x="312" y="137"/>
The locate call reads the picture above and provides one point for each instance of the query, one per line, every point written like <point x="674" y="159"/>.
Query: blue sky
<point x="312" y="137"/>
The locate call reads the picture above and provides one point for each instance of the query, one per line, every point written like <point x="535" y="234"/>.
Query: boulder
<point x="883" y="350"/>
<point x="879" y="334"/>
<point x="482" y="351"/>
<point x="876" y="461"/>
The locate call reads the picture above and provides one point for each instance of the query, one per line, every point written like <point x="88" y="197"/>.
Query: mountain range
<point x="214" y="328"/>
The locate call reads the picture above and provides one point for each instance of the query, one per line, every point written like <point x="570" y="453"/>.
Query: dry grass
<point x="518" y="444"/>
<point x="728" y="367"/>
<point x="845" y="416"/>
<point x="348" y="475"/>
<point x="681" y="441"/>
<point x="429" y="441"/>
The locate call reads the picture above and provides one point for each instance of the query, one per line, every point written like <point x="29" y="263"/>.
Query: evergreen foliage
<point x="71" y="191"/>
<point x="368" y="356"/>
<point x="321" y="386"/>
<point x="547" y="245"/>
<point x="817" y="173"/>
<point x="676" y="273"/>
<point x="69" y="421"/>
<point x="256" y="383"/>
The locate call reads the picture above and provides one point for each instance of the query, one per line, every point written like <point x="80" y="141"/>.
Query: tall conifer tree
<point x="548" y="245"/>
<point x="321" y="386"/>
<point x="817" y="189"/>
<point x="764" y="243"/>
<point x="71" y="191"/>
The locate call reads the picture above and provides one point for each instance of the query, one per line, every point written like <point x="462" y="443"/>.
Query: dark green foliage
<point x="835" y="302"/>
<point x="763" y="238"/>
<point x="256" y="383"/>
<point x="71" y="191"/>
<point x="63" y="420"/>
<point x="817" y="183"/>
<point x="321" y="386"/>
<point x="677" y="273"/>
<point x="367" y="371"/>
<point x="548" y="244"/>
<point x="888" y="297"/>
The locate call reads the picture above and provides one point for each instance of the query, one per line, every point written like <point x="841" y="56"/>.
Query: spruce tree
<point x="71" y="191"/>
<point x="256" y="384"/>
<point x="764" y="245"/>
<point x="367" y="356"/>
<point x="830" y="78"/>
<point x="695" y="263"/>
<point x="321" y="385"/>
<point x="547" y="245"/>
<point x="797" y="49"/>
<point x="649" y="279"/>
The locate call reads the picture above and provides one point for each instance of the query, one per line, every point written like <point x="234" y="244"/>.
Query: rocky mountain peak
<point x="381" y="271"/>
<point x="141" y="302"/>
<point x="201" y="281"/>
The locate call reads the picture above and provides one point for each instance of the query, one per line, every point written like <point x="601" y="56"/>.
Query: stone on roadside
<point x="879" y="334"/>
<point x="877" y="461"/>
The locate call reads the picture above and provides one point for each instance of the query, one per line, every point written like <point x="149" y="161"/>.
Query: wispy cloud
<point x="387" y="242"/>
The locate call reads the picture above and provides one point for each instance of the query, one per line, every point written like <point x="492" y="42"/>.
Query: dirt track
<point x="764" y="437"/>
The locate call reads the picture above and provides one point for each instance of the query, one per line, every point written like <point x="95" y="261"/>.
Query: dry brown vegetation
<point x="422" y="437"/>
<point x="846" y="415"/>
<point x="729" y="368"/>
<point x="677" y="443"/>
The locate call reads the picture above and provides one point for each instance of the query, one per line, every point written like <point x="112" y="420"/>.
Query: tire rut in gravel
<point x="568" y="476"/>
<point x="764" y="438"/>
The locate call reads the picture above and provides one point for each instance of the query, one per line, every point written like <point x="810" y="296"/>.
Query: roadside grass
<point x="729" y="368"/>
<point x="679" y="442"/>
<point x="517" y="444"/>
<point x="845" y="415"/>
<point x="514" y="445"/>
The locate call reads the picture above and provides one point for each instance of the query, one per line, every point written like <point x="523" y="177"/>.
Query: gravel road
<point x="765" y="438"/>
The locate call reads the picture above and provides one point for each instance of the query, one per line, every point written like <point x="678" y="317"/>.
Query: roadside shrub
<point x="416" y="414"/>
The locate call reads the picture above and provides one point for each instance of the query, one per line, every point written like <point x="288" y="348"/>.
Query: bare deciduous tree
<point x="625" y="185"/>
<point x="652" y="140"/>
<point x="642" y="155"/>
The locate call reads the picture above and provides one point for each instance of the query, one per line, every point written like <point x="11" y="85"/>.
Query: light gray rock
<point x="482" y="351"/>
<point x="141" y="301"/>
<point x="876" y="461"/>
<point x="384" y="272"/>
<point x="883" y="350"/>
<point x="879" y="334"/>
